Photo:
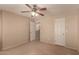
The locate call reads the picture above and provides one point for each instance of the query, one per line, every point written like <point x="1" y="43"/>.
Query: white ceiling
<point x="52" y="9"/>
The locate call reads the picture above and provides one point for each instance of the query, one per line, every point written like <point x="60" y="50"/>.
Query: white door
<point x="60" y="31"/>
<point x="32" y="31"/>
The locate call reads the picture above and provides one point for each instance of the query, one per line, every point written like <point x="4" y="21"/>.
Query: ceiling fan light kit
<point x="34" y="14"/>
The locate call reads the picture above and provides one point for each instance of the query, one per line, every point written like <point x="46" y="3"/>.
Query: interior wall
<point x="47" y="29"/>
<point x="15" y="30"/>
<point x="78" y="34"/>
<point x="0" y="29"/>
<point x="72" y="31"/>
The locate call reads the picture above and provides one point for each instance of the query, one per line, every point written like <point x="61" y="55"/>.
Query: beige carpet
<point x="38" y="48"/>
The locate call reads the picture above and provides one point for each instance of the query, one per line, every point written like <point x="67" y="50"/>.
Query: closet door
<point x="60" y="31"/>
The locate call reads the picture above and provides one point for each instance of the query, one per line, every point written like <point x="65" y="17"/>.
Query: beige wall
<point x="47" y="29"/>
<point x="15" y="30"/>
<point x="0" y="30"/>
<point x="72" y="31"/>
<point x="78" y="34"/>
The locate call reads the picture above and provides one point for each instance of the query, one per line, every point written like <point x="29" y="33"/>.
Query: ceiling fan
<point x="35" y="10"/>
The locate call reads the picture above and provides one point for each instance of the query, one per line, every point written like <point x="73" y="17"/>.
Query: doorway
<point x="34" y="29"/>
<point x="37" y="30"/>
<point x="60" y="31"/>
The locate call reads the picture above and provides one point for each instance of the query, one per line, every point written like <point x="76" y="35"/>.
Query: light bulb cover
<point x="34" y="14"/>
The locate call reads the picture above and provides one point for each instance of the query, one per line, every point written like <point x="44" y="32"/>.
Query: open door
<point x="60" y="31"/>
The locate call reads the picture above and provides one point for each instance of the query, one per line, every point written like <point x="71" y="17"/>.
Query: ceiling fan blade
<point x="40" y="14"/>
<point x="28" y="6"/>
<point x="25" y="11"/>
<point x="43" y="9"/>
